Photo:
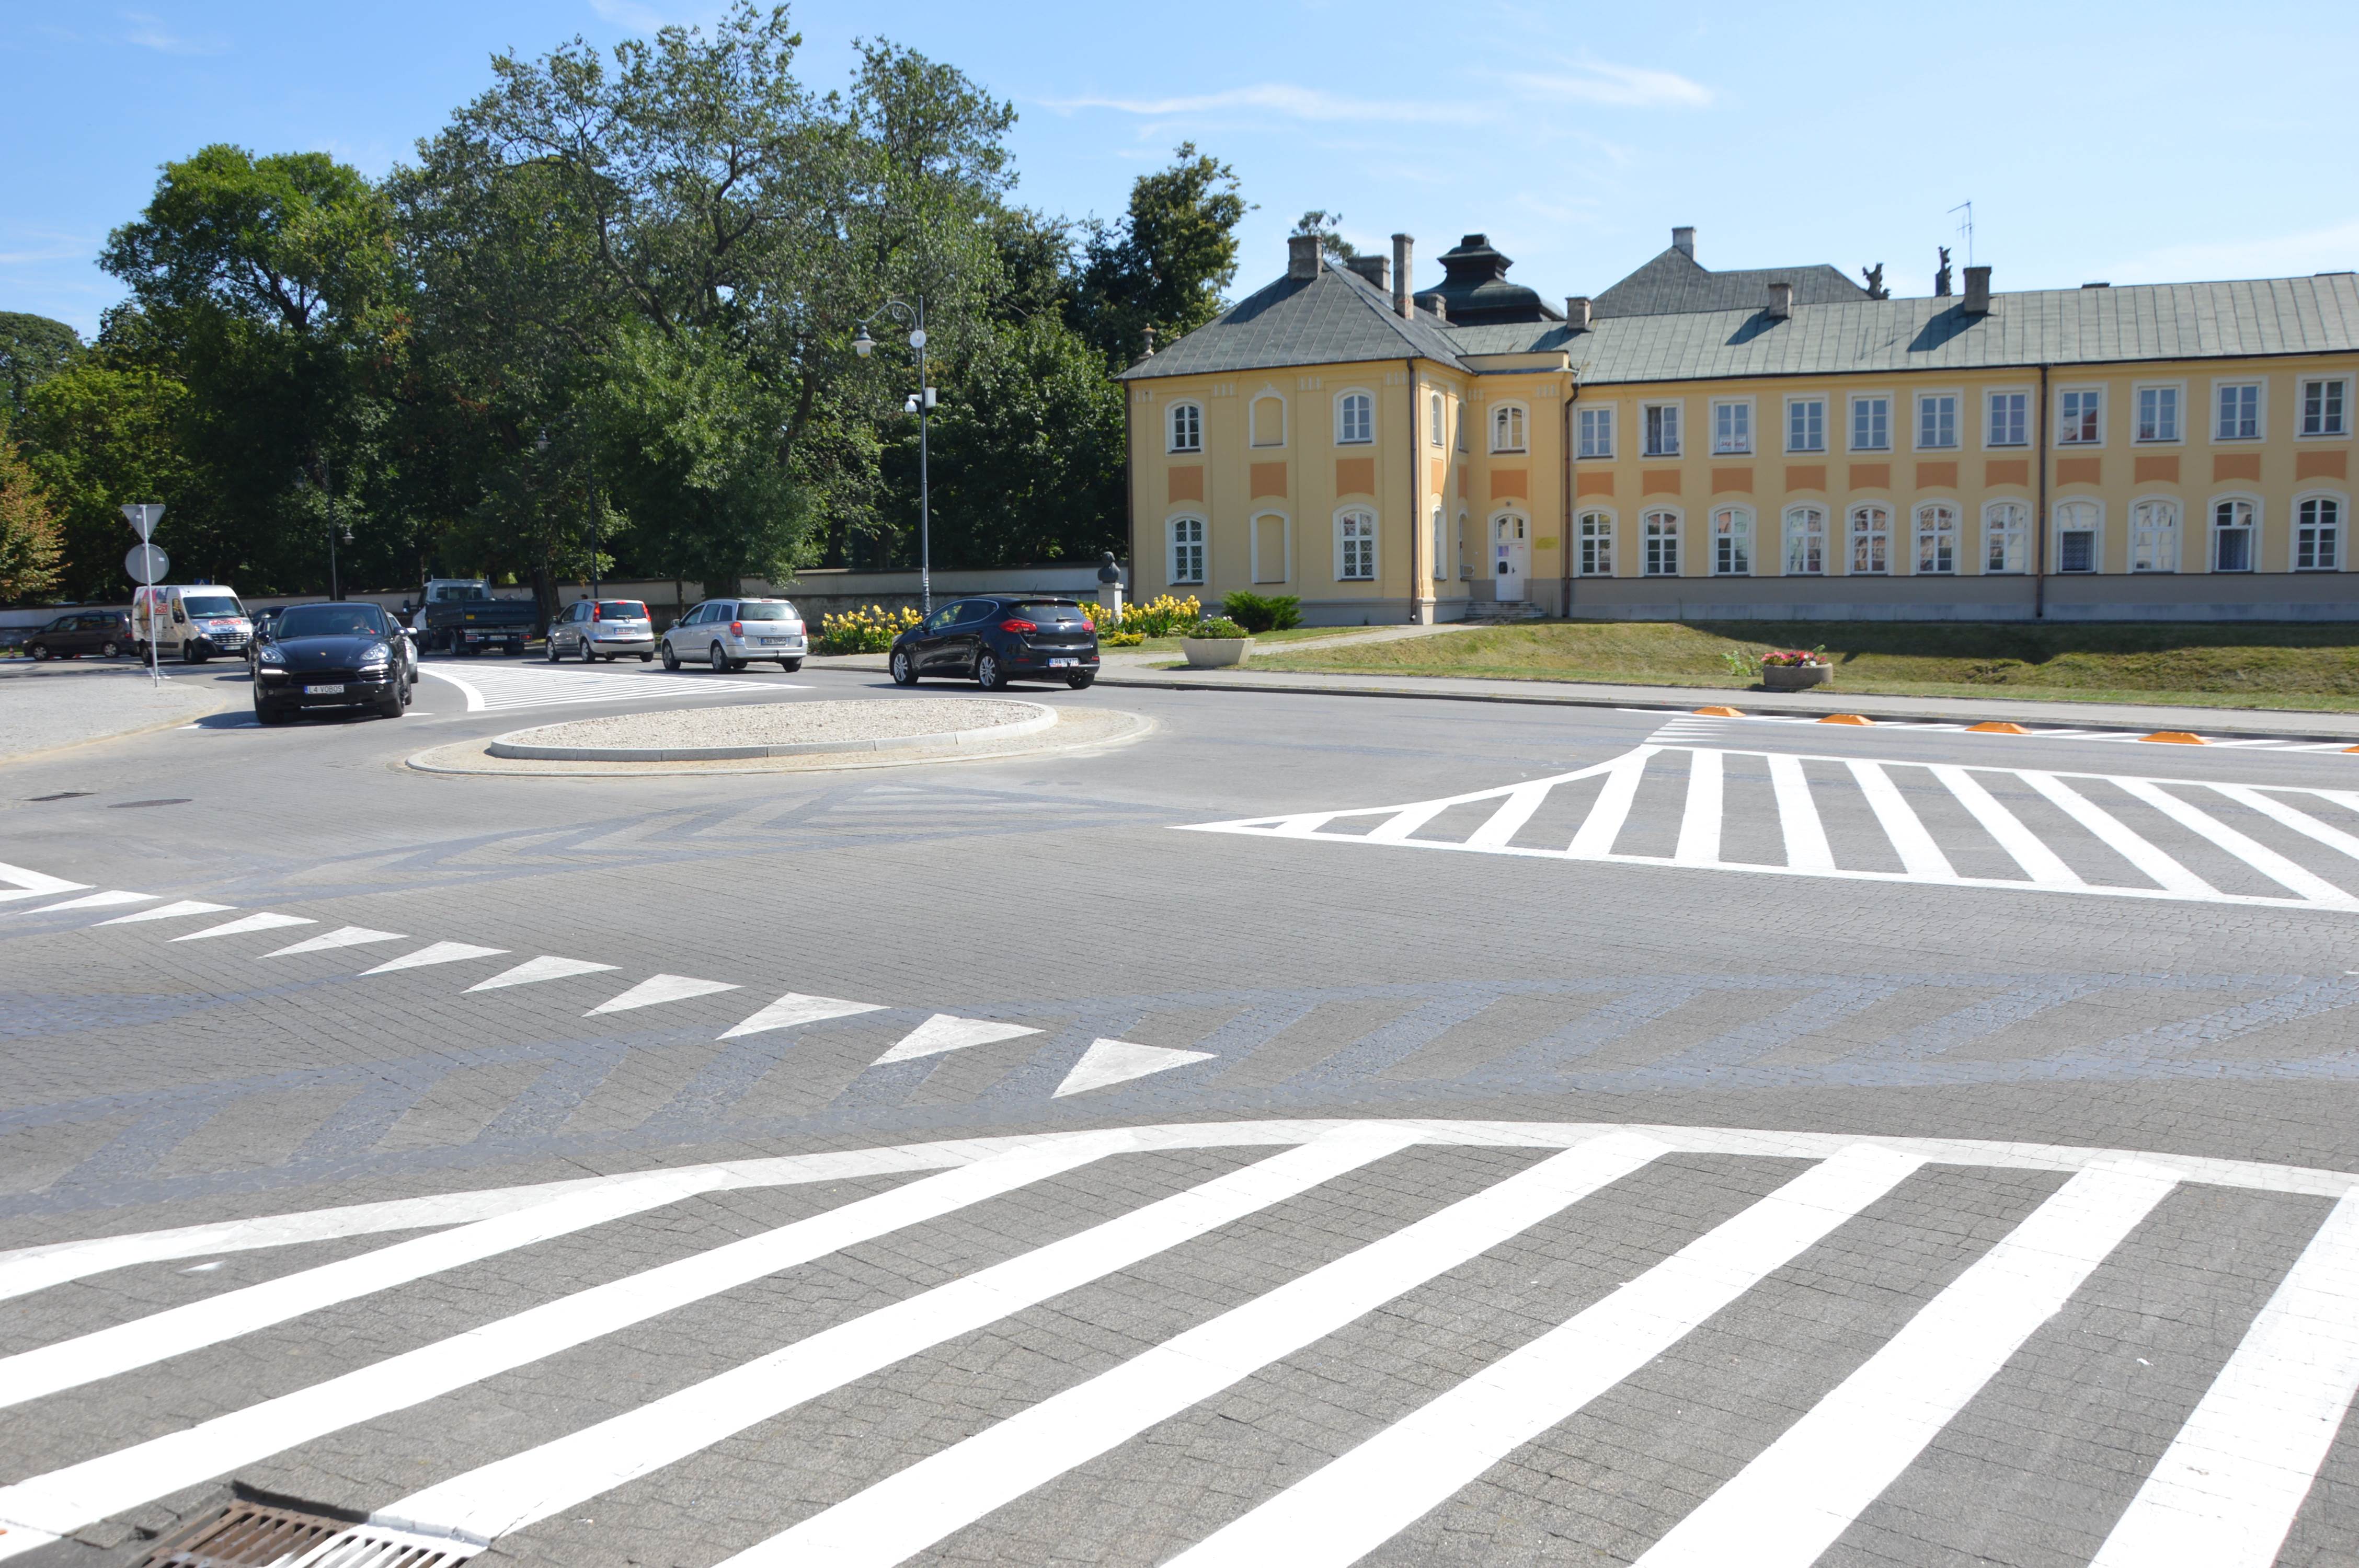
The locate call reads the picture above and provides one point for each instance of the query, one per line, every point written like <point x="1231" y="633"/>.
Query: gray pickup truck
<point x="464" y="616"/>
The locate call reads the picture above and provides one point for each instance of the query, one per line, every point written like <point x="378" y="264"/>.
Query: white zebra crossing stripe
<point x="794" y="1009"/>
<point x="532" y="972"/>
<point x="177" y="911"/>
<point x="264" y="922"/>
<point x="2300" y="822"/>
<point x="65" y="1500"/>
<point x="35" y="884"/>
<point x="1788" y="1507"/>
<point x="1110" y="1062"/>
<point x="2040" y="864"/>
<point x="111" y="900"/>
<point x="2167" y="873"/>
<point x="2260" y="857"/>
<point x="1351" y="1507"/>
<point x="911" y="1509"/>
<point x="342" y="936"/>
<point x="513" y="1492"/>
<point x="1797" y="817"/>
<point x="1699" y="821"/>
<point x="1919" y="856"/>
<point x="2225" y="1493"/>
<point x="1604" y="824"/>
<point x="435" y="953"/>
<point x="657" y="989"/>
<point x="944" y="1032"/>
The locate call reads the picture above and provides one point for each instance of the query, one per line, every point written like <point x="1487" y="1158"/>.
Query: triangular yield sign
<point x="263" y="922"/>
<point x="944" y="1031"/>
<point x="661" y="988"/>
<point x="438" y="953"/>
<point x="540" y="969"/>
<point x="794" y="1009"/>
<point x="99" y="901"/>
<point x="342" y="936"/>
<point x="169" y="911"/>
<point x="1108" y="1062"/>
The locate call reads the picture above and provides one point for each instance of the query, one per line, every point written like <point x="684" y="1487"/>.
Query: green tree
<point x="1325" y="227"/>
<point x="32" y="350"/>
<point x="1163" y="265"/>
<point x="99" y="434"/>
<point x="31" y="543"/>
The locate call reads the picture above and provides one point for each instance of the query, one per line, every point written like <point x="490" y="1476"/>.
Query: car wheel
<point x="1081" y="683"/>
<point x="40" y="651"/>
<point x="189" y="653"/>
<point x="670" y="659"/>
<point x="719" y="660"/>
<point x="904" y="672"/>
<point x="266" y="714"/>
<point x="550" y="653"/>
<point x="644" y="658"/>
<point x="110" y="648"/>
<point x="589" y="655"/>
<point x="988" y="674"/>
<point x="790" y="665"/>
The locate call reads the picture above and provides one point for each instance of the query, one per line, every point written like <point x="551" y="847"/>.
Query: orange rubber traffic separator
<point x="1739" y="713"/>
<point x="1846" y="719"/>
<point x="1996" y="727"/>
<point x="2177" y="738"/>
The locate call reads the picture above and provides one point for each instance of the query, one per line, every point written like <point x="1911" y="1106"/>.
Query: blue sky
<point x="2133" y="143"/>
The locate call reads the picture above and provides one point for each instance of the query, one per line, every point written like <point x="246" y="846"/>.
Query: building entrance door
<point x="1511" y="557"/>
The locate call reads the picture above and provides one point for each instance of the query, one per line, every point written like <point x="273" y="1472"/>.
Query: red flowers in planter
<point x="1785" y="656"/>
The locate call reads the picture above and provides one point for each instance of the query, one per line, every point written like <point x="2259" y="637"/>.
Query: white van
<point x="195" y="620"/>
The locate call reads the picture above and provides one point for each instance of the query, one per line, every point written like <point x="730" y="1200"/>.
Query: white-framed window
<point x="1732" y="428"/>
<point x="1439" y="529"/>
<point x="1438" y="420"/>
<point x="1806" y="541"/>
<point x="2006" y="537"/>
<point x="1806" y="424"/>
<point x="1596" y="536"/>
<point x="2236" y="411"/>
<point x="2325" y="407"/>
<point x="1355" y="419"/>
<point x="1507" y="433"/>
<point x="2234" y="520"/>
<point x="1355" y="545"/>
<point x="1871" y="423"/>
<point x="1186" y="556"/>
<point x="2081" y="417"/>
<point x="1732" y="541"/>
<point x="1595" y="428"/>
<point x="2154" y="536"/>
<point x="1659" y="531"/>
<point x="2158" y="414"/>
<point x="2009" y="421"/>
<point x="1936" y="420"/>
<point x="1871" y="540"/>
<point x="1936" y="538"/>
<point x="2318" y="533"/>
<point x="1662" y="429"/>
<point x="1187" y="427"/>
<point x="1268" y="417"/>
<point x="2077" y="533"/>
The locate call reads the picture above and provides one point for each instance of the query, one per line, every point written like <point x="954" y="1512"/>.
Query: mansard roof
<point x="1335" y="317"/>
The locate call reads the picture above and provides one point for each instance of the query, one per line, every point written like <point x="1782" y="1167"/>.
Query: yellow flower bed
<point x="867" y="630"/>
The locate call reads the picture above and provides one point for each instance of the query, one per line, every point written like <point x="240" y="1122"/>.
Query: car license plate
<point x="323" y="691"/>
<point x="1060" y="663"/>
<point x="772" y="641"/>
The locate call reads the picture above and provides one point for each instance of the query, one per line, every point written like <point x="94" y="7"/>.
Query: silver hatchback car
<point x="730" y="633"/>
<point x="609" y="629"/>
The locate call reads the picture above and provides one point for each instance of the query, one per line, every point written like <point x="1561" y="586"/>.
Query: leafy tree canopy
<point x="32" y="350"/>
<point x="1162" y="266"/>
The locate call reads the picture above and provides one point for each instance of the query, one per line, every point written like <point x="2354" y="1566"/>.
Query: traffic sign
<point x="146" y="563"/>
<point x="144" y="515"/>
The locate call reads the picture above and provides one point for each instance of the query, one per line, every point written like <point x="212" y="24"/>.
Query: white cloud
<point x="1310" y="104"/>
<point x="148" y="32"/>
<point x="2333" y="249"/>
<point x="1615" y="86"/>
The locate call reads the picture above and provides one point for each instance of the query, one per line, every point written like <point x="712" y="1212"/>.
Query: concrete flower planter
<point x="1215" y="653"/>
<point x="1794" y="677"/>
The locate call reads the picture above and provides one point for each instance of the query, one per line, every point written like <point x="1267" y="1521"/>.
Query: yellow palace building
<point x="1764" y="444"/>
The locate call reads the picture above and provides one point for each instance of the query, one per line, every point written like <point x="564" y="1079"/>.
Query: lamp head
<point x="864" y="345"/>
<point x="540" y="442"/>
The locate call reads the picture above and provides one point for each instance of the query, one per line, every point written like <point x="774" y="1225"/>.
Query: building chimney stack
<point x="1576" y="312"/>
<point x="1302" y="256"/>
<point x="1977" y="302"/>
<point x="1404" y="306"/>
<point x="1781" y="301"/>
<point x="1375" y="269"/>
<point x="1683" y="241"/>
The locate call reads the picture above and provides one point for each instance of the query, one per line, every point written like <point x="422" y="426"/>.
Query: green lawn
<point x="1260" y="640"/>
<point x="2291" y="666"/>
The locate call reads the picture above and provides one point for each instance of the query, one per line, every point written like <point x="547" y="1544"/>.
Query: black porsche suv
<point x="998" y="638"/>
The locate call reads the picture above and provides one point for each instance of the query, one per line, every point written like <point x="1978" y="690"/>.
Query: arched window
<point x="1187" y="427"/>
<point x="2233" y="521"/>
<point x="2316" y="534"/>
<point x="1871" y="540"/>
<point x="1806" y="541"/>
<point x="1356" y="546"/>
<point x="1936" y="538"/>
<point x="1272" y="560"/>
<point x="2154" y="536"/>
<point x="1507" y="427"/>
<point x="1441" y="538"/>
<point x="1596" y="544"/>
<point x="1269" y="420"/>
<point x="1355" y="418"/>
<point x="2076" y="535"/>
<point x="1438" y="416"/>
<point x="1659" y="531"/>
<point x="1187" y="550"/>
<point x="2007" y="533"/>
<point x="1731" y="542"/>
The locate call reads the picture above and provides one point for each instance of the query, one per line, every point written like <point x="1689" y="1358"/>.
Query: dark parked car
<point x="331" y="656"/>
<point x="102" y="631"/>
<point x="1001" y="637"/>
<point x="264" y="620"/>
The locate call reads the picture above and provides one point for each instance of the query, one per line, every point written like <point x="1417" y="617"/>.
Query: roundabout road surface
<point x="1327" y="1130"/>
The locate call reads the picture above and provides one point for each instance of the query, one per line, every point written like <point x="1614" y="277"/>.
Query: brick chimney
<point x="1302" y="256"/>
<point x="1683" y="241"/>
<point x="1977" y="300"/>
<point x="1375" y="269"/>
<point x="1781" y="301"/>
<point x="1576" y="312"/>
<point x="1404" y="247"/>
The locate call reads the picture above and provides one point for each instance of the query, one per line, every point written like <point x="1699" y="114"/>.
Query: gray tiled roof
<point x="1675" y="281"/>
<point x="1336" y="318"/>
<point x="2055" y="327"/>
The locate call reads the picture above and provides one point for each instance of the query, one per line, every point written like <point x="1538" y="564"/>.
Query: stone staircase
<point x="1494" y="613"/>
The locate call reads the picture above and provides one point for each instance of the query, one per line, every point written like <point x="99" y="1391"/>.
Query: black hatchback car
<point x="331" y="656"/>
<point x="102" y="632"/>
<point x="998" y="638"/>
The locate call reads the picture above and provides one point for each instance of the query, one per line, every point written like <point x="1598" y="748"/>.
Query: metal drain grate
<point x="246" y="1535"/>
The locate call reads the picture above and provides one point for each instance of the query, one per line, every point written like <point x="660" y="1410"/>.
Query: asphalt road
<point x="1325" y="1130"/>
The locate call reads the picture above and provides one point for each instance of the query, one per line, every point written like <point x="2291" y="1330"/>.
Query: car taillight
<point x="595" y="615"/>
<point x="1024" y="627"/>
<point x="736" y="628"/>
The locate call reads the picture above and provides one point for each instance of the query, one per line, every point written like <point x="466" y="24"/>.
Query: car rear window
<point x="622" y="610"/>
<point x="211" y="605"/>
<point x="1046" y="609"/>
<point x="774" y="612"/>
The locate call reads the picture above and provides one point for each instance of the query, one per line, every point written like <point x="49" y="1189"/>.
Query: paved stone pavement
<point x="46" y="707"/>
<point x="1725" y="1141"/>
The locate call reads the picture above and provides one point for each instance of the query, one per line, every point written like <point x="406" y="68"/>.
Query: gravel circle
<point x="777" y="728"/>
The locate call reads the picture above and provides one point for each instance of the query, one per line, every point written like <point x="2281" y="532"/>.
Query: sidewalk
<point x="72" y="702"/>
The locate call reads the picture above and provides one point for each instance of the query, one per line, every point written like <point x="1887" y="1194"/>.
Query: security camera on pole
<point x="147" y="563"/>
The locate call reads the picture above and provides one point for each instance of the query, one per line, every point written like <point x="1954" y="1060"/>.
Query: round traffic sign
<point x="146" y="563"/>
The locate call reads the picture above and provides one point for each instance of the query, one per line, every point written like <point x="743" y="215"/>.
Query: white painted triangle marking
<point x="541" y="968"/>
<point x="33" y="883"/>
<point x="263" y="922"/>
<point x="660" y="988"/>
<point x="437" y="952"/>
<point x="1110" y="1062"/>
<point x="98" y="901"/>
<point x="795" y="1008"/>
<point x="342" y="936"/>
<point x="945" y="1032"/>
<point x="169" y="911"/>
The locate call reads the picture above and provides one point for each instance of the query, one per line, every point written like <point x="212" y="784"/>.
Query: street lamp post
<point x="921" y="404"/>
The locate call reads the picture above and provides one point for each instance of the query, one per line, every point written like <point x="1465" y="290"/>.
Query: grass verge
<point x="1260" y="640"/>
